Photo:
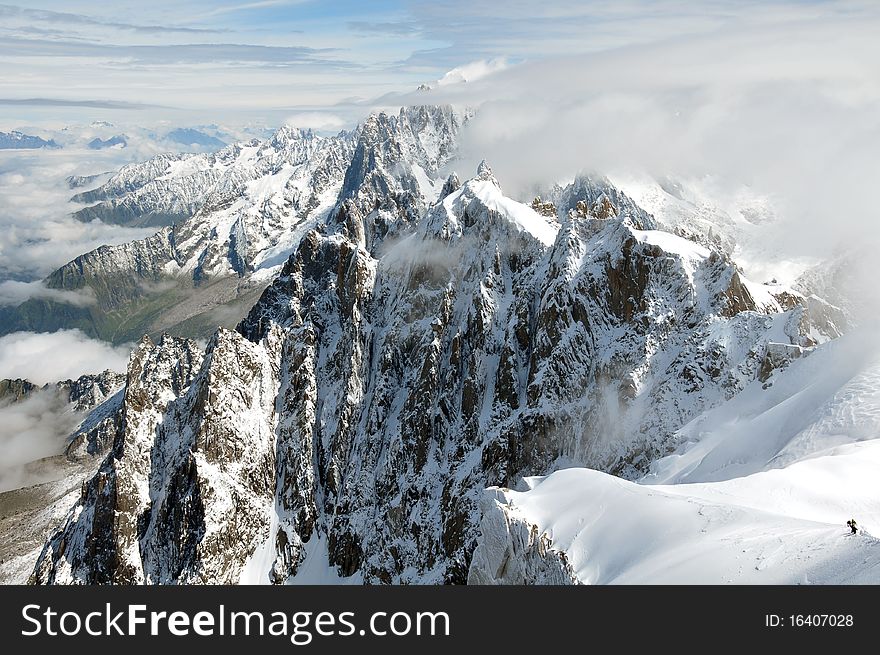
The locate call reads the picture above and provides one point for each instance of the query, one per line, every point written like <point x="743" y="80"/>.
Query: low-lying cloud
<point x="31" y="429"/>
<point x="13" y="292"/>
<point x="62" y="102"/>
<point x="37" y="232"/>
<point x="317" y="120"/>
<point x="44" y="357"/>
<point x="473" y="71"/>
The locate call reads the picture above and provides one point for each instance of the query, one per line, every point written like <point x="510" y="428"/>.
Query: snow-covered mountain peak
<point x="479" y="204"/>
<point x="596" y="197"/>
<point x="294" y="146"/>
<point x="287" y="133"/>
<point x="398" y="157"/>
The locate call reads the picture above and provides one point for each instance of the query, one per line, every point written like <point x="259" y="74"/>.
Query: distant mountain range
<point x="19" y="141"/>
<point x="114" y="141"/>
<point x="189" y="137"/>
<point x="176" y="139"/>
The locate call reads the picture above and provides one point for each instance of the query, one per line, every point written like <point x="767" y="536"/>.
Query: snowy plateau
<point x="422" y="380"/>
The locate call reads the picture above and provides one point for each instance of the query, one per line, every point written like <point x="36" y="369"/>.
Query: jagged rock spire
<point x="451" y="185"/>
<point x="484" y="172"/>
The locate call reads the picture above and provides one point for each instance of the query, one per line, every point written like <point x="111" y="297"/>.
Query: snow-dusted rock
<point x="512" y="551"/>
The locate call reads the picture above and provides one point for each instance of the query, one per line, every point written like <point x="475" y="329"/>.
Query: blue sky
<point x="217" y="57"/>
<point x="265" y="58"/>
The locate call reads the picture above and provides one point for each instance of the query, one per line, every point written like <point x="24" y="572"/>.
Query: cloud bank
<point x="785" y="103"/>
<point x="473" y="71"/>
<point x="14" y="292"/>
<point x="31" y="429"/>
<point x="44" y="357"/>
<point x="37" y="233"/>
<point x="317" y="120"/>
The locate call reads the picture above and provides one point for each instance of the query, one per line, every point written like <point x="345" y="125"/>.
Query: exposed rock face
<point x="836" y="291"/>
<point x="97" y="433"/>
<point x="777" y="356"/>
<point x="98" y="395"/>
<point x="451" y="185"/>
<point x="14" y="390"/>
<point x="547" y="209"/>
<point x="409" y="355"/>
<point x="106" y="551"/>
<point x="589" y="197"/>
<point x="108" y="270"/>
<point x="83" y="394"/>
<point x="512" y="551"/>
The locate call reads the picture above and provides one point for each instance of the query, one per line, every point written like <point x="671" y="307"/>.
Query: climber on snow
<point x="852" y="526"/>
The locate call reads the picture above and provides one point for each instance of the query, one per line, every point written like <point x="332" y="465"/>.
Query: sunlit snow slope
<point x="759" y="493"/>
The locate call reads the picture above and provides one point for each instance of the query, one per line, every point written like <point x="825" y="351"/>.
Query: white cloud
<point x="260" y="4"/>
<point x="44" y="357"/>
<point x="473" y="71"/>
<point x="786" y="104"/>
<point x="37" y="232"/>
<point x="31" y="429"/>
<point x="317" y="120"/>
<point x="13" y="292"/>
<point x="270" y="56"/>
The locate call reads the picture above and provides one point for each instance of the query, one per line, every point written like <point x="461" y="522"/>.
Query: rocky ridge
<point x="237" y="214"/>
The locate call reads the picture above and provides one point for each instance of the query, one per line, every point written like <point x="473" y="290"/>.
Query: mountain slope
<point x="36" y="495"/>
<point x="758" y="492"/>
<point x="37" y="423"/>
<point x="580" y="526"/>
